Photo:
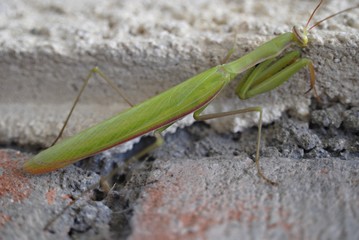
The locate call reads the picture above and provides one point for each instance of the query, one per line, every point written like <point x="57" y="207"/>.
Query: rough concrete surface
<point x="202" y="183"/>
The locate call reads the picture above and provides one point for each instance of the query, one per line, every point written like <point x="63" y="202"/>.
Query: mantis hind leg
<point x="93" y="71"/>
<point x="104" y="182"/>
<point x="197" y="116"/>
<point x="159" y="140"/>
<point x="265" y="77"/>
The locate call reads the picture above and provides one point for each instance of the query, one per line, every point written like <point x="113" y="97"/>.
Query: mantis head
<point x="301" y="34"/>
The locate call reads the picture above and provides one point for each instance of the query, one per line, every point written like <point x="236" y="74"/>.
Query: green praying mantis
<point x="266" y="68"/>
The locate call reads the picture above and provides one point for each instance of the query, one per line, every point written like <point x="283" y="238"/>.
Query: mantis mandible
<point x="264" y="73"/>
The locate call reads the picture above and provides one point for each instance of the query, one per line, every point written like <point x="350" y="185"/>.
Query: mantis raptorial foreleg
<point x="272" y="73"/>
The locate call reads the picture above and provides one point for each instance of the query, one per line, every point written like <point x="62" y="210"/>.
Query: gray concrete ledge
<point x="146" y="47"/>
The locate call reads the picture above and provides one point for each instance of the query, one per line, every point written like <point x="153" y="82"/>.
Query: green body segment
<point x="265" y="51"/>
<point x="158" y="111"/>
<point x="154" y="113"/>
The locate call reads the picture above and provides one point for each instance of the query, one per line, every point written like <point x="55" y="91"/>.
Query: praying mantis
<point x="267" y="67"/>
